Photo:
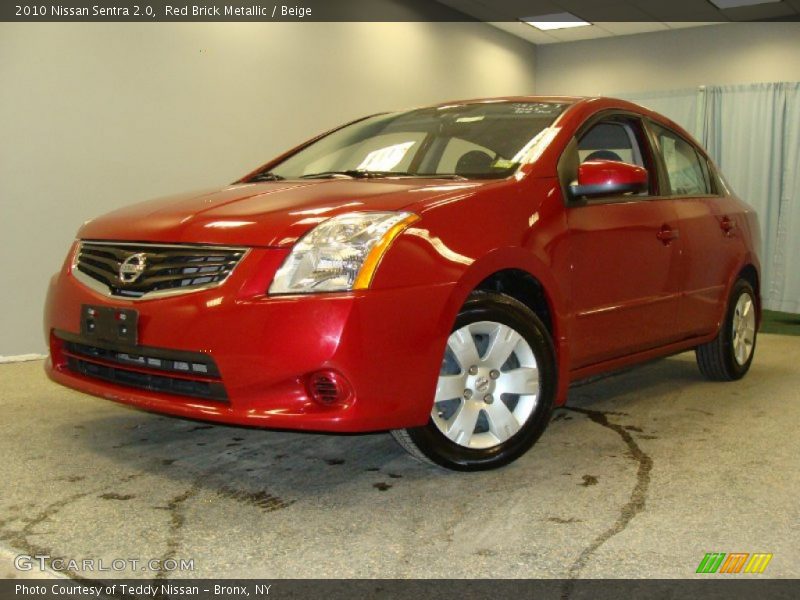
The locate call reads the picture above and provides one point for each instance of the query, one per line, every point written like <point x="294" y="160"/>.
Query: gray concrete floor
<point x="642" y="475"/>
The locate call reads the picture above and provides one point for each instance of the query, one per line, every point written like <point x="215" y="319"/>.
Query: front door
<point x="624" y="256"/>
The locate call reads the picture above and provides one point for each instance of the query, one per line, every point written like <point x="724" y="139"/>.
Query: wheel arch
<point x="521" y="275"/>
<point x="526" y="288"/>
<point x="749" y="273"/>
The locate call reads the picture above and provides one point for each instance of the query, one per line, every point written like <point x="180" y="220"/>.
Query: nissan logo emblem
<point x="132" y="267"/>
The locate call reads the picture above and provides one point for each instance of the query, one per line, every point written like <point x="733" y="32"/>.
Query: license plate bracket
<point x="110" y="324"/>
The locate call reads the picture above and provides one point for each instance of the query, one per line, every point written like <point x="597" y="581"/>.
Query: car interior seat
<point x="603" y="155"/>
<point x="474" y="162"/>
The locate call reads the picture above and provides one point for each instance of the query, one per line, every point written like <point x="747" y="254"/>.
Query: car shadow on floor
<point x="252" y="463"/>
<point x="223" y="457"/>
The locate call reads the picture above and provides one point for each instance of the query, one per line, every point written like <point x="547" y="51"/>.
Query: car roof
<point x="601" y="102"/>
<point x="589" y="104"/>
<point x="553" y="99"/>
<point x="594" y="103"/>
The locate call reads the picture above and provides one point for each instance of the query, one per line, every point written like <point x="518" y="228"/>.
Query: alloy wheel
<point x="744" y="328"/>
<point x="488" y="385"/>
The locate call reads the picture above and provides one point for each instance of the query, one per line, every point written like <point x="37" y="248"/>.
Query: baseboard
<point x="21" y="358"/>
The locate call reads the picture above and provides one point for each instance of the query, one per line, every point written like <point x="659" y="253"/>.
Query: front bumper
<point x="387" y="344"/>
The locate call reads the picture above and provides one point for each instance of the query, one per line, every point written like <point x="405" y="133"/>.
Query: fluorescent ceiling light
<point x="556" y="21"/>
<point x="737" y="3"/>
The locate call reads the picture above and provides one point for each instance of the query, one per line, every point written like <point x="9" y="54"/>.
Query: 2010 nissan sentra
<point x="444" y="273"/>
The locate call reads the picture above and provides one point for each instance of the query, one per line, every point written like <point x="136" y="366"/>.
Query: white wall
<point x="669" y="60"/>
<point x="95" y="116"/>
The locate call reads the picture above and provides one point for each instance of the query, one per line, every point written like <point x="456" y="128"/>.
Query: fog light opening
<point x="328" y="388"/>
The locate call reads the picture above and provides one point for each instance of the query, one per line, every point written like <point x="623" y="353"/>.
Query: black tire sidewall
<point x="508" y="311"/>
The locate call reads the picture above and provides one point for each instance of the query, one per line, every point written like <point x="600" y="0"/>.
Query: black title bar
<point x="714" y="587"/>
<point x="374" y="10"/>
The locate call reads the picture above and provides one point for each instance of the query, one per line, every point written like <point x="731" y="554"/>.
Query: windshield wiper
<point x="446" y="176"/>
<point x="352" y="173"/>
<point x="364" y="174"/>
<point x="266" y="176"/>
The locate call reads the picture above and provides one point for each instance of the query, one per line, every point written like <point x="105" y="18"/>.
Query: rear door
<point x="709" y="233"/>
<point x="624" y="252"/>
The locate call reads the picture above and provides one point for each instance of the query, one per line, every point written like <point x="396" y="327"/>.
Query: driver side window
<point x="610" y="140"/>
<point x="616" y="139"/>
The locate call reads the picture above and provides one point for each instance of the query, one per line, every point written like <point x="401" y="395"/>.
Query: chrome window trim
<point x="101" y="288"/>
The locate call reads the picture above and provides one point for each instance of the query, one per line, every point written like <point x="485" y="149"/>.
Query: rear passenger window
<point x="685" y="171"/>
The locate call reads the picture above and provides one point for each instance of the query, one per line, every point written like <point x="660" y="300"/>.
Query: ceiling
<point x="611" y="18"/>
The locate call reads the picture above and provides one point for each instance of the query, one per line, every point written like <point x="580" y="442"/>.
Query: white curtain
<point x="682" y="106"/>
<point x="785" y="282"/>
<point x="753" y="133"/>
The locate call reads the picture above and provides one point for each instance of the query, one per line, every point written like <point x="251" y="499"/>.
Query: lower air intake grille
<point x="325" y="390"/>
<point x="152" y="369"/>
<point x="135" y="270"/>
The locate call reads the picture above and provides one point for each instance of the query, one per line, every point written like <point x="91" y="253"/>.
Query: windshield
<point x="481" y="140"/>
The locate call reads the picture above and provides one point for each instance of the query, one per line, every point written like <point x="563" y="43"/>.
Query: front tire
<point x="728" y="356"/>
<point x="496" y="388"/>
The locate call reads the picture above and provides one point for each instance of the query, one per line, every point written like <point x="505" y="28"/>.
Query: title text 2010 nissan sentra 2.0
<point x="444" y="273"/>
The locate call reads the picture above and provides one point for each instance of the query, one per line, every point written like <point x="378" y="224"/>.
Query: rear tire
<point x="729" y="355"/>
<point x="496" y="388"/>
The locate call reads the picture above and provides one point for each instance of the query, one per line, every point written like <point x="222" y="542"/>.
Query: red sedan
<point x="445" y="273"/>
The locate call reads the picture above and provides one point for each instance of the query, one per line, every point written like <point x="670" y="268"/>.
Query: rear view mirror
<point x="608" y="178"/>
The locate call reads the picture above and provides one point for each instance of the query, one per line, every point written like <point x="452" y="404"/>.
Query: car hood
<point x="270" y="214"/>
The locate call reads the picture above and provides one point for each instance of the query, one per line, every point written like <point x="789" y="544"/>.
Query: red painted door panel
<point x="710" y="252"/>
<point x="625" y="278"/>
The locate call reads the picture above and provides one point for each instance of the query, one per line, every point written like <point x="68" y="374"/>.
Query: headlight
<point x="340" y="254"/>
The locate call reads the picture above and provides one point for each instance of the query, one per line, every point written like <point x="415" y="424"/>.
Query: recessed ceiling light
<point x="556" y="21"/>
<point x="737" y="3"/>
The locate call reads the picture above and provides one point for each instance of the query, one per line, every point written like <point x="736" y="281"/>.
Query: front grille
<point x="153" y="369"/>
<point x="152" y="269"/>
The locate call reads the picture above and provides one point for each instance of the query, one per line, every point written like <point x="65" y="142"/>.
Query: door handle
<point x="667" y="234"/>
<point x="727" y="225"/>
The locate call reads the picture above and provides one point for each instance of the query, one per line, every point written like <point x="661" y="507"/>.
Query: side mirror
<point x="608" y="178"/>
